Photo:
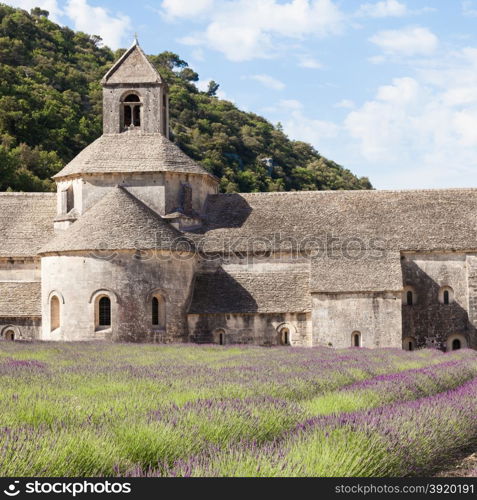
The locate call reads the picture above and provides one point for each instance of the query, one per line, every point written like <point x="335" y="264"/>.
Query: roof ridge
<point x="327" y="192"/>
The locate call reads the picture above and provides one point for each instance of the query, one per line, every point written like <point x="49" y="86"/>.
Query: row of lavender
<point x="97" y="409"/>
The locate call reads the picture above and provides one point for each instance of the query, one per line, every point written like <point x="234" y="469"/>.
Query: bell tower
<point x="135" y="97"/>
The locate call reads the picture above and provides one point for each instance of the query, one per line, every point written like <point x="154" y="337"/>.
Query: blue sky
<point x="387" y="88"/>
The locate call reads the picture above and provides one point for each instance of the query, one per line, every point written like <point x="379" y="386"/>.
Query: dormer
<point x="135" y="97"/>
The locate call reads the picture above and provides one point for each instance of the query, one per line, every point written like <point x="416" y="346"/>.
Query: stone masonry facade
<point x="137" y="245"/>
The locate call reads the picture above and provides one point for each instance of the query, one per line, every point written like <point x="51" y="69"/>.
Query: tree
<point x="212" y="88"/>
<point x="37" y="12"/>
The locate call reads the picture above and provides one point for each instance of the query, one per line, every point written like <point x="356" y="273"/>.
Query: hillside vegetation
<point x="50" y="109"/>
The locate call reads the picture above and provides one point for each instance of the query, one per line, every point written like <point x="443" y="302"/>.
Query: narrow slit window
<point x="155" y="311"/>
<point x="409" y="298"/>
<point x="158" y="311"/>
<point x="104" y="311"/>
<point x="446" y="297"/>
<point x="54" y="313"/>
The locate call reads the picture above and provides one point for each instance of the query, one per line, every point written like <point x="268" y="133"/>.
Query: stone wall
<point x="428" y="321"/>
<point x="154" y="117"/>
<point x="24" y="328"/>
<point x="27" y="269"/>
<point x="471" y="261"/>
<point x="161" y="191"/>
<point x="256" y="329"/>
<point x="376" y="316"/>
<point x="130" y="282"/>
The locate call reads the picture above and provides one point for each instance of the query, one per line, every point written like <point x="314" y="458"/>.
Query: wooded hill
<point x="50" y="109"/>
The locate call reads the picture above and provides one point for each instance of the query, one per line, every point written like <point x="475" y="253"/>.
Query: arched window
<point x="131" y="111"/>
<point x="155" y="311"/>
<point x="409" y="296"/>
<point x="456" y="344"/>
<point x="158" y="305"/>
<point x="446" y="295"/>
<point x="104" y="312"/>
<point x="54" y="313"/>
<point x="356" y="339"/>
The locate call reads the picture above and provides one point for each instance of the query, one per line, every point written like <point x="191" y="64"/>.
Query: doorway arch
<point x="10" y="333"/>
<point x="456" y="342"/>
<point x="286" y="334"/>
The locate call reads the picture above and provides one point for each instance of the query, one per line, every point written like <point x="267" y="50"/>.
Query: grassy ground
<point x="183" y="410"/>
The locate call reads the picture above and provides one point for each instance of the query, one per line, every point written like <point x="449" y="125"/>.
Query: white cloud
<point x="301" y="127"/>
<point x="310" y="63"/>
<point x="345" y="103"/>
<point x="50" y="5"/>
<point x="203" y="85"/>
<point x="198" y="54"/>
<point x="114" y="29"/>
<point x="186" y="8"/>
<point x="379" y="124"/>
<point x="376" y="59"/>
<point x="408" y="41"/>
<point x="268" y="81"/>
<point x="290" y="104"/>
<point x="386" y="8"/>
<point x="469" y="8"/>
<point x="248" y="29"/>
<point x="423" y="128"/>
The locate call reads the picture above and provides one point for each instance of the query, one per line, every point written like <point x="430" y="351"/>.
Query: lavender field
<point x="183" y="410"/>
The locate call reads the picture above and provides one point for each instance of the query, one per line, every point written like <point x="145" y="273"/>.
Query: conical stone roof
<point x="119" y="222"/>
<point x="131" y="152"/>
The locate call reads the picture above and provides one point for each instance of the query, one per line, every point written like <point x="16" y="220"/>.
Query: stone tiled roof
<point x="118" y="222"/>
<point x="251" y="292"/>
<point x="19" y="299"/>
<point x="131" y="152"/>
<point x="366" y="274"/>
<point x="26" y="222"/>
<point x="414" y="220"/>
<point x="406" y="220"/>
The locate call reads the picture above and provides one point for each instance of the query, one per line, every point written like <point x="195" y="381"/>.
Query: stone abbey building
<point x="138" y="245"/>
